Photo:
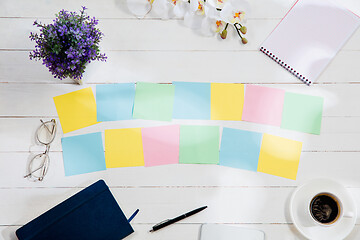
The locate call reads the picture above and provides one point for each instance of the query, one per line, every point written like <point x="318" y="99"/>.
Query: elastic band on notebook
<point x="286" y="66"/>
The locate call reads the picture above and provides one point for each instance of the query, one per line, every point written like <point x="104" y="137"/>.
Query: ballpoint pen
<point x="171" y="221"/>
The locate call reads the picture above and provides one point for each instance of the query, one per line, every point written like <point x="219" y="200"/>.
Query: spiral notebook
<point x="309" y="36"/>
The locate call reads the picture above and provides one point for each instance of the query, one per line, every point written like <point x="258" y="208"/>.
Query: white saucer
<point x="306" y="226"/>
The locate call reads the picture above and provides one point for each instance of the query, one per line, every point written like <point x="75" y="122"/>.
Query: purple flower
<point x="68" y="44"/>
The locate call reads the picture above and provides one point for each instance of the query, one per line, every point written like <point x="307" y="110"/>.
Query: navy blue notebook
<point x="91" y="214"/>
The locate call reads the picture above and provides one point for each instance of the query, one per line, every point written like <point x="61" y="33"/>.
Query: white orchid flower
<point x="204" y="17"/>
<point x="140" y="7"/>
<point x="200" y="14"/>
<point x="195" y="16"/>
<point x="197" y="7"/>
<point x="180" y="7"/>
<point x="209" y="27"/>
<point x="170" y="8"/>
<point x="219" y="4"/>
<point x="234" y="11"/>
<point x="218" y="26"/>
<point x="212" y="23"/>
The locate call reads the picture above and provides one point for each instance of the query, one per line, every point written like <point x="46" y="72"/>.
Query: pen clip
<point x="158" y="224"/>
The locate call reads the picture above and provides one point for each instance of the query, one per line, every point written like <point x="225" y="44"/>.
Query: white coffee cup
<point x="334" y="207"/>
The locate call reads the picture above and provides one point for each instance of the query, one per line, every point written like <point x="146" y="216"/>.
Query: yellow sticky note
<point x="227" y="101"/>
<point x="76" y="109"/>
<point x="123" y="148"/>
<point x="279" y="156"/>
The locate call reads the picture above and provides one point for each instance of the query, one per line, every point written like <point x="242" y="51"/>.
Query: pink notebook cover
<point x="309" y="36"/>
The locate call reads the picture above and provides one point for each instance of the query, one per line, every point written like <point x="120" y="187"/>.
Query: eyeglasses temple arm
<point x="51" y="132"/>
<point x="41" y="166"/>
<point x="33" y="171"/>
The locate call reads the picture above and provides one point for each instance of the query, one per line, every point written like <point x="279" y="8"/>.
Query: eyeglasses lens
<point x="46" y="132"/>
<point x="38" y="166"/>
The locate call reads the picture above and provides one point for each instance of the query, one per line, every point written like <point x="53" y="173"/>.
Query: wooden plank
<point x="191" y="232"/>
<point x="225" y="205"/>
<point x="18" y="134"/>
<point x="118" y="9"/>
<point x="185" y="231"/>
<point x="339" y="98"/>
<point x="154" y="35"/>
<point x="15" y="66"/>
<point x="312" y="165"/>
<point x="164" y="66"/>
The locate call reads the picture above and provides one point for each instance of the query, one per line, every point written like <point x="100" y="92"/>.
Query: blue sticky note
<point x="192" y="100"/>
<point x="115" y="101"/>
<point x="240" y="149"/>
<point x="83" y="154"/>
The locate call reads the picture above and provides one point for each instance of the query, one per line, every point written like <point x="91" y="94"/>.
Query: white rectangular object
<point x="309" y="36"/>
<point x="228" y="232"/>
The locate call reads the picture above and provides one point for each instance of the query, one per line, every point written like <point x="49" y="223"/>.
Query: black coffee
<point x="324" y="208"/>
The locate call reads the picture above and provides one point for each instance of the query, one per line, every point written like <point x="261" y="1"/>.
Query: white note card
<point x="228" y="232"/>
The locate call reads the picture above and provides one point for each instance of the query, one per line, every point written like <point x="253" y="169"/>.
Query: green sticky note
<point x="154" y="101"/>
<point x="199" y="144"/>
<point x="302" y="113"/>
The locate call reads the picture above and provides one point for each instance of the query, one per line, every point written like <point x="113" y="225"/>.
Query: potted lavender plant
<point x="68" y="44"/>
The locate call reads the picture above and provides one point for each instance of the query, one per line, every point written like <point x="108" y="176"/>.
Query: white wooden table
<point x="154" y="50"/>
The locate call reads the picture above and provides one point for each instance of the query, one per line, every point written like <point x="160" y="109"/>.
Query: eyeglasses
<point x="39" y="164"/>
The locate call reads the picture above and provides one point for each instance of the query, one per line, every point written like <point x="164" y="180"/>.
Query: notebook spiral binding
<point x="286" y="66"/>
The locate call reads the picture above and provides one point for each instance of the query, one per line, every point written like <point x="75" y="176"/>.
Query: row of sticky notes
<point x="174" y="144"/>
<point x="189" y="100"/>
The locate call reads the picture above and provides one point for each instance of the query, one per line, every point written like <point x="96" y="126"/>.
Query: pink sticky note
<point x="161" y="145"/>
<point x="263" y="105"/>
